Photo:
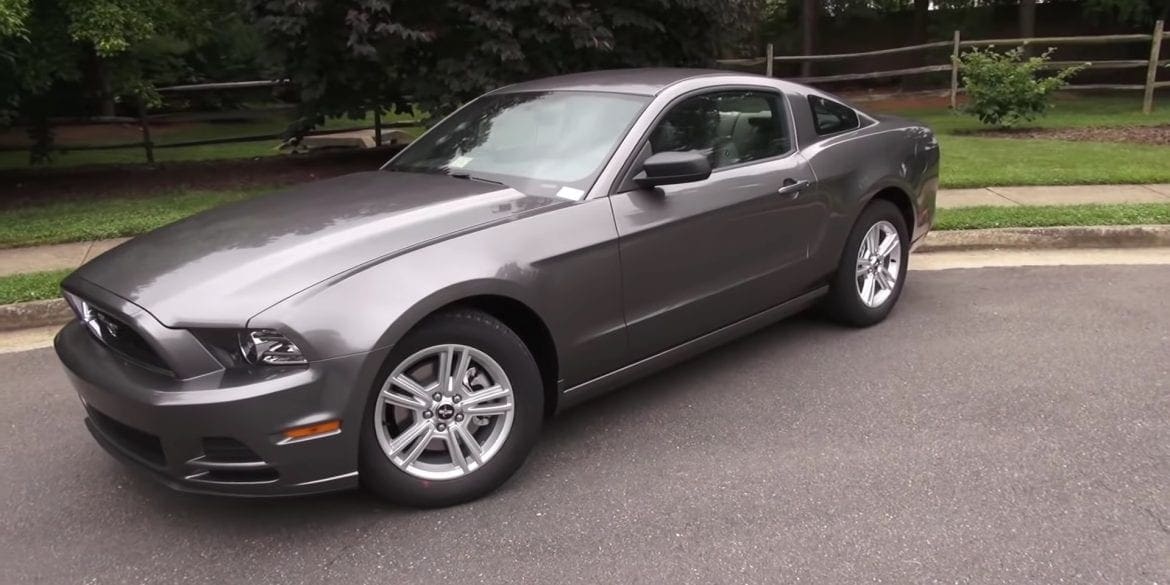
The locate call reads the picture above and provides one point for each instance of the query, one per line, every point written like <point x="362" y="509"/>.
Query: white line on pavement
<point x="1004" y="258"/>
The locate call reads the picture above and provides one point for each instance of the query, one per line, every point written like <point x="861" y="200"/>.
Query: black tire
<point x="844" y="303"/>
<point x="487" y="334"/>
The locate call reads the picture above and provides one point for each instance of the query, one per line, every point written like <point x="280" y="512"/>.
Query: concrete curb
<point x="34" y="314"/>
<point x="1048" y="238"/>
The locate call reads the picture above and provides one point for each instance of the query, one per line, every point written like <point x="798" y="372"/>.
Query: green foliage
<point x="61" y="57"/>
<point x="114" y="26"/>
<point x="12" y="16"/>
<point x="32" y="60"/>
<point x="59" y="39"/>
<point x="350" y="56"/>
<point x="1003" y="89"/>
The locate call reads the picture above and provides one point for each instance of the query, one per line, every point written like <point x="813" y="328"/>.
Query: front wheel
<point x="459" y="406"/>
<point x="872" y="269"/>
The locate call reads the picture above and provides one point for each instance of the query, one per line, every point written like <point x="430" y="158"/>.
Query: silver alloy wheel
<point x="879" y="264"/>
<point x="444" y="412"/>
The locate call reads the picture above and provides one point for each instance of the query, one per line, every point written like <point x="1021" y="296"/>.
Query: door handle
<point x="792" y="188"/>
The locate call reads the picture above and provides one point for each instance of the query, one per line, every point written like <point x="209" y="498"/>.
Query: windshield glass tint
<point x="535" y="142"/>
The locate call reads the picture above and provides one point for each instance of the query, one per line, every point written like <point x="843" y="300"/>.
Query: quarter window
<point x="728" y="127"/>
<point x="831" y="117"/>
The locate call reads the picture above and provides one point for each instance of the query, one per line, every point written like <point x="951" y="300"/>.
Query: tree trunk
<point x="107" y="97"/>
<point x="101" y="83"/>
<point x="921" y="21"/>
<point x="921" y="32"/>
<point x="808" y="32"/>
<point x="1027" y="21"/>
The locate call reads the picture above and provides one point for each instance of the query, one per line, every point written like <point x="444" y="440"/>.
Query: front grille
<point x="121" y="338"/>
<point x="141" y="444"/>
<point x="260" y="475"/>
<point x="228" y="450"/>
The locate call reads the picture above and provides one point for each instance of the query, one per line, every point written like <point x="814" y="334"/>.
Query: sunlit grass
<point x="96" y="219"/>
<point x="973" y="161"/>
<point x="35" y="286"/>
<point x="969" y="218"/>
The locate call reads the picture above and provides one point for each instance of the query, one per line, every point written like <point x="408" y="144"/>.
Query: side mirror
<point x="672" y="168"/>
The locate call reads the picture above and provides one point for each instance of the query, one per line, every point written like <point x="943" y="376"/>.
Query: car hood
<point x="223" y="266"/>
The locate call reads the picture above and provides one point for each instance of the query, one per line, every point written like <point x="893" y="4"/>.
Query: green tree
<point x="59" y="56"/>
<point x="351" y="56"/>
<point x="12" y="16"/>
<point x="1132" y="11"/>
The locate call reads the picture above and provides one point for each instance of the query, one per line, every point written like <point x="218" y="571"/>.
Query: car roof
<point x="631" y="81"/>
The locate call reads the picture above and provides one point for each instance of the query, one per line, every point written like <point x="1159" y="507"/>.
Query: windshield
<point x="547" y="143"/>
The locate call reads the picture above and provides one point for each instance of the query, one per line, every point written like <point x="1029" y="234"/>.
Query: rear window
<point x="830" y="117"/>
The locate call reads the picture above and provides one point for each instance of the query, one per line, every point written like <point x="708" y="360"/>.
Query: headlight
<point x="264" y="346"/>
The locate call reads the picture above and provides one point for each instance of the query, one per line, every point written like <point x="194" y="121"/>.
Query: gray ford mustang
<point x="412" y="328"/>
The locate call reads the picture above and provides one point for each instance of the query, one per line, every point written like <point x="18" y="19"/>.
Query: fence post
<point x="378" y="126"/>
<point x="955" y="72"/>
<point x="771" y="59"/>
<point x="144" y="122"/>
<point x="1152" y="69"/>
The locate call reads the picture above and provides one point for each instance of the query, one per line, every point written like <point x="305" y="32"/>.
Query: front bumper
<point x="221" y="432"/>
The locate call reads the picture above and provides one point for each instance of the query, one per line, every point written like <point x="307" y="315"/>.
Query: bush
<point x="1003" y="88"/>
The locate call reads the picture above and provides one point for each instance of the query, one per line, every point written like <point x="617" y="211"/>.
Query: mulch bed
<point x="33" y="186"/>
<point x="1156" y="135"/>
<point x="73" y="134"/>
<point x="893" y="103"/>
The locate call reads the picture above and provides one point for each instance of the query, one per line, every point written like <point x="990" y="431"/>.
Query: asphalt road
<point x="1006" y="425"/>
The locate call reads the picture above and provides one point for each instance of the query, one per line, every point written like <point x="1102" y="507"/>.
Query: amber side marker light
<point x="313" y="431"/>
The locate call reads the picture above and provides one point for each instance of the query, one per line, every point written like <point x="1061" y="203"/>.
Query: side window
<point x="831" y="117"/>
<point x="730" y="127"/>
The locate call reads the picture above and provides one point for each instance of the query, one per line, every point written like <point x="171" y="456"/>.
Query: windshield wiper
<point x="470" y="177"/>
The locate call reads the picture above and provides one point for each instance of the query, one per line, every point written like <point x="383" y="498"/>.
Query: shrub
<point x="1003" y="89"/>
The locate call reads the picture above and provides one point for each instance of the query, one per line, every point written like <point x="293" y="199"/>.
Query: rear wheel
<point x="459" y="406"/>
<point x="872" y="269"/>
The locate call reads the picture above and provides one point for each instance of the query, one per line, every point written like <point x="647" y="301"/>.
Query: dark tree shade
<point x="349" y="56"/>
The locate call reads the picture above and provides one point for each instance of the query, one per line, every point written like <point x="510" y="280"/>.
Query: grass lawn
<point x="972" y="161"/>
<point x="267" y="124"/>
<point x="109" y="218"/>
<point x="987" y="162"/>
<point x="969" y="218"/>
<point x="72" y="221"/>
<point x="968" y="161"/>
<point x="35" y="286"/>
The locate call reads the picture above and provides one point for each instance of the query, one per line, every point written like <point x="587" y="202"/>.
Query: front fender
<point x="562" y="264"/>
<point x="411" y="316"/>
<point x="371" y="309"/>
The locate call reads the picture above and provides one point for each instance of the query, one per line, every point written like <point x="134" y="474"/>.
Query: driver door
<point x="698" y="256"/>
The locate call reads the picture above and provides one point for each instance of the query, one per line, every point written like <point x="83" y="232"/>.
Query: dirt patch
<point x="24" y="186"/>
<point x="879" y="102"/>
<point x="1156" y="135"/>
<point x="78" y="134"/>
